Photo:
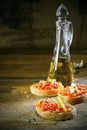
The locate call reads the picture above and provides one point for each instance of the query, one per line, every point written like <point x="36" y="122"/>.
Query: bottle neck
<point x="62" y="19"/>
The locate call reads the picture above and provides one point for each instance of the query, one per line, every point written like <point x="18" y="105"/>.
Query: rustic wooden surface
<point x="17" y="110"/>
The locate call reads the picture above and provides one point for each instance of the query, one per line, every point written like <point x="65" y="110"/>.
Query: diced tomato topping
<point x="47" y="85"/>
<point x="50" y="106"/>
<point x="60" y="108"/>
<point x="79" y="89"/>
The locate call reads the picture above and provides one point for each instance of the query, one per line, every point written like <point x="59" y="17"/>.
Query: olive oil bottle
<point x="64" y="72"/>
<point x="61" y="65"/>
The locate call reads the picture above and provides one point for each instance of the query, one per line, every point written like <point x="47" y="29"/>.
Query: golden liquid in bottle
<point x="64" y="72"/>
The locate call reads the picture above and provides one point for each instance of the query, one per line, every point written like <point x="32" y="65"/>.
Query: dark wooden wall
<point x="28" y="26"/>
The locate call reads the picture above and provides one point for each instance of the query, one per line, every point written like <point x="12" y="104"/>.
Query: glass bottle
<point x="61" y="65"/>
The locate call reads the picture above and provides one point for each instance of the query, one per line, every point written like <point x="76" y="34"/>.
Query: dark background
<point x="28" y="26"/>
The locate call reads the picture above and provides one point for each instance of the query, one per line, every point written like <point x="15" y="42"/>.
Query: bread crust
<point x="54" y="115"/>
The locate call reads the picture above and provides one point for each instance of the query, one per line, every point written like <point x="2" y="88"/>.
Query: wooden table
<point x="17" y="110"/>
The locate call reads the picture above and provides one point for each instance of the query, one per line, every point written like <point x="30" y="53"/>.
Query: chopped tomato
<point x="78" y="90"/>
<point x="47" y="85"/>
<point x="50" y="106"/>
